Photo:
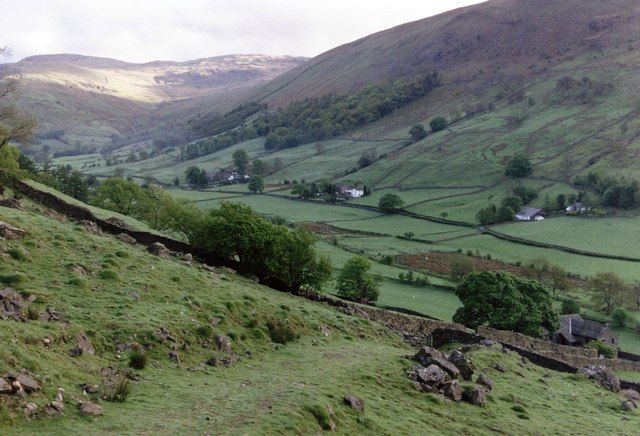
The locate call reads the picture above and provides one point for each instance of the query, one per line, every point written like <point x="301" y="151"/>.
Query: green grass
<point x="274" y="390"/>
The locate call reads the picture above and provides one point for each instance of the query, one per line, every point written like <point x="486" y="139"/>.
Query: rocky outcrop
<point x="354" y="402"/>
<point x="159" y="249"/>
<point x="485" y="382"/>
<point x="475" y="395"/>
<point x="91" y="227"/>
<point x="11" y="305"/>
<point x="83" y="346"/>
<point x="464" y="365"/>
<point x="603" y="375"/>
<point x="126" y="238"/>
<point x="90" y="409"/>
<point x="7" y="231"/>
<point x="223" y="343"/>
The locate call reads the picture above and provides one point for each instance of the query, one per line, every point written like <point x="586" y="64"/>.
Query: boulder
<point x="11" y="304"/>
<point x="118" y="222"/>
<point x="50" y="314"/>
<point x="127" y="239"/>
<point x="90" y="409"/>
<point x="159" y="250"/>
<point x="475" y="395"/>
<point x="30" y="410"/>
<point x="84" y="344"/>
<point x="212" y="361"/>
<point x="485" y="382"/>
<point x="499" y="368"/>
<point x="430" y="375"/>
<point x="223" y="343"/>
<point x="174" y="356"/>
<point x="628" y="405"/>
<point x="603" y="375"/>
<point x="89" y="388"/>
<point x="631" y="394"/>
<point x="5" y="387"/>
<point x="464" y="365"/>
<point x="7" y="231"/>
<point x="447" y="366"/>
<point x="54" y="408"/>
<point x="27" y="383"/>
<point x="487" y="343"/>
<point x="451" y="389"/>
<point x="425" y="353"/>
<point x="354" y="402"/>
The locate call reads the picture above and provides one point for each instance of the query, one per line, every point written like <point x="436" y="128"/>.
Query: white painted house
<point x="350" y="191"/>
<point x="530" y="214"/>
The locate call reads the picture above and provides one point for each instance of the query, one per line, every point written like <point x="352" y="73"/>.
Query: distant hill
<point x="92" y="99"/>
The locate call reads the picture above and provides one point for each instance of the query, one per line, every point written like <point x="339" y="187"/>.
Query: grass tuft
<point x="138" y="359"/>
<point x="282" y="330"/>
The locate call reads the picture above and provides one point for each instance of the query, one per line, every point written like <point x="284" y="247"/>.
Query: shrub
<point x="118" y="390"/>
<point x="18" y="254"/>
<point x="387" y="260"/>
<point x="138" y="359"/>
<point x="108" y="274"/>
<point x="460" y="267"/>
<point x="519" y="166"/>
<point x="620" y="317"/>
<point x="78" y="282"/>
<point x="417" y="132"/>
<point x="33" y="313"/>
<point x="13" y="279"/>
<point x="602" y="348"/>
<point x="438" y="123"/>
<point x="569" y="306"/>
<point x="519" y="408"/>
<point x="204" y="331"/>
<point x="282" y="331"/>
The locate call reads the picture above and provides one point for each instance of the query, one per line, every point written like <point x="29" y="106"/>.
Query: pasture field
<point x="617" y="236"/>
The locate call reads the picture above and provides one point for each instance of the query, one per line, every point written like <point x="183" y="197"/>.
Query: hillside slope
<point x="122" y="298"/>
<point x="484" y="43"/>
<point x="91" y="98"/>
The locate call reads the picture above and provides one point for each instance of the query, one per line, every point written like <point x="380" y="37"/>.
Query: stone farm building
<point x="576" y="208"/>
<point x="349" y="191"/>
<point x="577" y="331"/>
<point x="530" y="214"/>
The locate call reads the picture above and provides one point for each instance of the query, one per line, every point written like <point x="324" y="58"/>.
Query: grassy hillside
<point x="274" y="388"/>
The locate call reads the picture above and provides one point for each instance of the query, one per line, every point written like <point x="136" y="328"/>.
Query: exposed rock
<point x="475" y="395"/>
<point x="447" y="366"/>
<point x="84" y="344"/>
<point x="59" y="395"/>
<point x="188" y="257"/>
<point x="30" y="410"/>
<point x="464" y="365"/>
<point x="17" y="389"/>
<point x="223" y="343"/>
<point x="12" y="203"/>
<point x="603" y="375"/>
<point x="354" y="402"/>
<point x="631" y="394"/>
<point x="54" y="408"/>
<point x="208" y="268"/>
<point x="212" y="361"/>
<point x="159" y="250"/>
<point x="230" y="360"/>
<point x="50" y="314"/>
<point x="11" y="305"/>
<point x="451" y="389"/>
<point x="628" y="405"/>
<point x="89" y="388"/>
<point x="499" y="368"/>
<point x="487" y="343"/>
<point x="325" y="330"/>
<point x="5" y="387"/>
<point x="90" y="409"/>
<point x="432" y="374"/>
<point x="425" y="353"/>
<point x="174" y="356"/>
<point x="27" y="383"/>
<point x="135" y="296"/>
<point x="214" y="321"/>
<point x="118" y="222"/>
<point x="92" y="227"/>
<point x="80" y="270"/>
<point x="7" y="231"/>
<point x="356" y="311"/>
<point x="127" y="239"/>
<point x="162" y="334"/>
<point x="485" y="381"/>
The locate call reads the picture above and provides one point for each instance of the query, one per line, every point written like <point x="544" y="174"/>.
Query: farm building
<point x="530" y="214"/>
<point x="576" y="208"/>
<point x="349" y="191"/>
<point x="575" y="330"/>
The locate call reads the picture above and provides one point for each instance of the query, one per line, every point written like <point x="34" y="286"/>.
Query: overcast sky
<point x="146" y="30"/>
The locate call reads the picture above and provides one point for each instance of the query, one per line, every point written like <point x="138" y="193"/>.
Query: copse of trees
<point x="506" y="302"/>
<point x="390" y="203"/>
<point x="609" y="291"/>
<point x="614" y="192"/>
<point x="356" y="284"/>
<point x="317" y="119"/>
<point x="256" y="184"/>
<point x="196" y="177"/>
<point x="519" y="166"/>
<point x="241" y="161"/>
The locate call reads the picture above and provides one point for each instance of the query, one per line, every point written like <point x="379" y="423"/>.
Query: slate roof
<point x="571" y="325"/>
<point x="529" y="212"/>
